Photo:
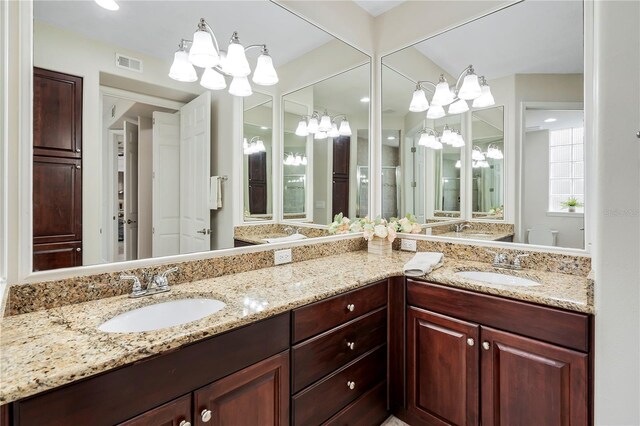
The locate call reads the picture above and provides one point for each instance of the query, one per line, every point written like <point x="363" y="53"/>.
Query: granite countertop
<point x="258" y="238"/>
<point x="46" y="349"/>
<point x="479" y="235"/>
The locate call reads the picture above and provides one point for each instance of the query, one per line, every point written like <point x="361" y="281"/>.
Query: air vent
<point x="128" y="63"/>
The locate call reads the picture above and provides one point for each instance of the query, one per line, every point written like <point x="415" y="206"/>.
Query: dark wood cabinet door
<point x="174" y="413"/>
<point x="528" y="382"/>
<point x="57" y="114"/>
<point x="257" y="164"/>
<point x="340" y="197"/>
<point x="442" y="369"/>
<point x="57" y="255"/>
<point x="256" y="395"/>
<point x="341" y="156"/>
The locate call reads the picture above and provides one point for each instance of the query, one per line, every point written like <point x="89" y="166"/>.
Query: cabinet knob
<point x="205" y="415"/>
<point x="77" y="149"/>
<point x="78" y="249"/>
<point x="351" y="385"/>
<point x="184" y="423"/>
<point x="486" y="345"/>
<point x="351" y="307"/>
<point x="470" y="341"/>
<point x="351" y="345"/>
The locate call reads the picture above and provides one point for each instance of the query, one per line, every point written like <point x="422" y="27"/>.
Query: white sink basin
<point x="495" y="278"/>
<point x="161" y="315"/>
<point x="294" y="237"/>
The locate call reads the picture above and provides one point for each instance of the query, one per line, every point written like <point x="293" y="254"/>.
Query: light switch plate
<point x="282" y="256"/>
<point x="408" y="245"/>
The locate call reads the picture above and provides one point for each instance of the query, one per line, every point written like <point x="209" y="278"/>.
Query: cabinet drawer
<point x="171" y="413"/>
<point x="319" y="402"/>
<point x="369" y="409"/>
<point x="319" y="356"/>
<point x="570" y="329"/>
<point x="321" y="316"/>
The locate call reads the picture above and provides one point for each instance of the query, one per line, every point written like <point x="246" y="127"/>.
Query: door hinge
<point x="153" y="120"/>
<point x="413" y="149"/>
<point x="413" y="184"/>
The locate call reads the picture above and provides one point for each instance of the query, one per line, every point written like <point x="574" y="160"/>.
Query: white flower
<point x="380" y="231"/>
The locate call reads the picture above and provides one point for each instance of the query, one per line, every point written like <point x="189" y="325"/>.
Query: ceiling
<point x="565" y="119"/>
<point x="528" y="37"/>
<point x="378" y="7"/>
<point x="156" y="27"/>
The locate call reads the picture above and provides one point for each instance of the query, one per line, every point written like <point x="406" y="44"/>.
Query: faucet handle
<point x="137" y="286"/>
<point x="161" y="279"/>
<point x="516" y="259"/>
<point x="169" y="271"/>
<point x="497" y="257"/>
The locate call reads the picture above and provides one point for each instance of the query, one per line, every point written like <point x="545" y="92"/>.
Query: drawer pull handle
<point x="351" y="345"/>
<point x="184" y="423"/>
<point x="351" y="307"/>
<point x="470" y="341"/>
<point x="351" y="385"/>
<point x="205" y="415"/>
<point x="486" y="346"/>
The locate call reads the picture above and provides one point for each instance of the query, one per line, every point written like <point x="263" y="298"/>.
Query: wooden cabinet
<point x="57" y="170"/>
<point x="174" y="413"/>
<point x="340" y="175"/>
<point x="461" y="370"/>
<point x="256" y="395"/>
<point x="443" y="376"/>
<point x="257" y="165"/>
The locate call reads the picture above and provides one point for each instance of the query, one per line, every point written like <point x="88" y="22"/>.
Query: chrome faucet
<point x="501" y="260"/>
<point x="460" y="227"/>
<point x="156" y="283"/>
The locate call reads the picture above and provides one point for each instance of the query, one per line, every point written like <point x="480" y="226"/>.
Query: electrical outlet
<point x="282" y="256"/>
<point x="407" y="244"/>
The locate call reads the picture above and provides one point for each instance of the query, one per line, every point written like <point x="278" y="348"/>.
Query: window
<point x="566" y="168"/>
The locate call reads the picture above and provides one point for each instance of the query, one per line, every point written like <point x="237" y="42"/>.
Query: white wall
<point x="145" y="186"/>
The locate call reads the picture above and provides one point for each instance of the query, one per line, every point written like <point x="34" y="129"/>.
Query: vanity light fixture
<point x="323" y="126"/>
<point x="320" y="135"/>
<point x="253" y="146"/>
<point x="458" y="164"/>
<point x="108" y="4"/>
<point x="334" y="132"/>
<point x="468" y="87"/>
<point x="302" y="129"/>
<point x="494" y="152"/>
<point x="204" y="52"/>
<point x="477" y="154"/>
<point x="429" y="138"/>
<point x="292" y="159"/>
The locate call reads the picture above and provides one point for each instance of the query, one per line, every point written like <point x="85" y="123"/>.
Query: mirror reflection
<point x="326" y="148"/>
<point x="474" y="143"/>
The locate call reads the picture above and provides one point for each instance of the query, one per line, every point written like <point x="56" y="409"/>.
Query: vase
<point x="380" y="246"/>
<point x="572" y="209"/>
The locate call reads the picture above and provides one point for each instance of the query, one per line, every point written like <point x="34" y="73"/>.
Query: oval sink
<point x="161" y="315"/>
<point x="495" y="278"/>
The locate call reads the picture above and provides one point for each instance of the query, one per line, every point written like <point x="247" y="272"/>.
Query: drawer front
<point x="321" y="355"/>
<point x="321" y="316"/>
<point x="564" y="328"/>
<point x="369" y="409"/>
<point x="319" y="402"/>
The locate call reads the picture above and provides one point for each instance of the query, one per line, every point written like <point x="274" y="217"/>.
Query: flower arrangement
<point x="378" y="227"/>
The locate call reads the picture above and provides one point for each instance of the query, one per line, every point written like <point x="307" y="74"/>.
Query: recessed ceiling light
<point x="550" y="120"/>
<point x="365" y="99"/>
<point x="108" y="4"/>
<point x="391" y="138"/>
<point x="264" y="127"/>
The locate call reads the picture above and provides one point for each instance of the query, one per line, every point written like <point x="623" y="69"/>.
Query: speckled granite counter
<point x="484" y="236"/>
<point x="46" y="349"/>
<point x="258" y="238"/>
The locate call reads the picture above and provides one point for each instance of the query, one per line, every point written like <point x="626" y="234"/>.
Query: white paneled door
<point x="195" y="153"/>
<point x="130" y="191"/>
<point x="166" y="184"/>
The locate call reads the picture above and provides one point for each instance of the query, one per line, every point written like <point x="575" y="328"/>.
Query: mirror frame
<point x="589" y="96"/>
<point x="24" y="269"/>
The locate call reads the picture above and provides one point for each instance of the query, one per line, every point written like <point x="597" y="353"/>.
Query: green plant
<point x="571" y="202"/>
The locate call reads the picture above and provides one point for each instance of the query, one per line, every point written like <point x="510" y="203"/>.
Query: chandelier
<point x="323" y="126"/>
<point x="203" y="52"/>
<point x="472" y="89"/>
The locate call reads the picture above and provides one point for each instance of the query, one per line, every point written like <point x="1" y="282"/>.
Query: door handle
<point x="204" y="231"/>
<point x="129" y="221"/>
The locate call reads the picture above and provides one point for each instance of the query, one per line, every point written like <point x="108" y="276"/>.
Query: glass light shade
<point x="345" y="128"/>
<point x="483" y="164"/>
<point x="470" y="87"/>
<point x="108" y="4"/>
<point x="458" y="141"/>
<point x="265" y="74"/>
<point x="212" y="80"/>
<point x="435" y="111"/>
<point x="240" y="87"/>
<point x="260" y="146"/>
<point x="458" y="164"/>
<point x="477" y="155"/>
<point x="289" y="160"/>
<point x="423" y="141"/>
<point x="447" y="135"/>
<point x="325" y="123"/>
<point x="458" y="107"/>
<point x="436" y="144"/>
<point x="298" y="160"/>
<point x="312" y="126"/>
<point x="443" y="95"/>
<point x="475" y="165"/>
<point x="202" y="53"/>
<point x="301" y="130"/>
<point x="181" y="68"/>
<point x="224" y="64"/>
<point x="419" y="101"/>
<point x="237" y="63"/>
<point x="320" y="135"/>
<point x="334" y="132"/>
<point x="304" y="160"/>
<point x="485" y="99"/>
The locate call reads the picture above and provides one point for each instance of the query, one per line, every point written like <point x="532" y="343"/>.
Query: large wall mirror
<point x="146" y="144"/>
<point x="326" y="148"/>
<point x="484" y="124"/>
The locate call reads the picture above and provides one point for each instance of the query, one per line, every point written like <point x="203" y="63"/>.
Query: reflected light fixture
<point x="204" y="52"/>
<point x="320" y="135"/>
<point x="435" y="112"/>
<point x="325" y="125"/>
<point x="302" y="130"/>
<point x="458" y="164"/>
<point x="334" y="132"/>
<point x="253" y="146"/>
<point x="325" y="122"/>
<point x="293" y="159"/>
<point x="470" y="88"/>
<point x="108" y="4"/>
<point x="419" y="102"/>
<point x="486" y="98"/>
